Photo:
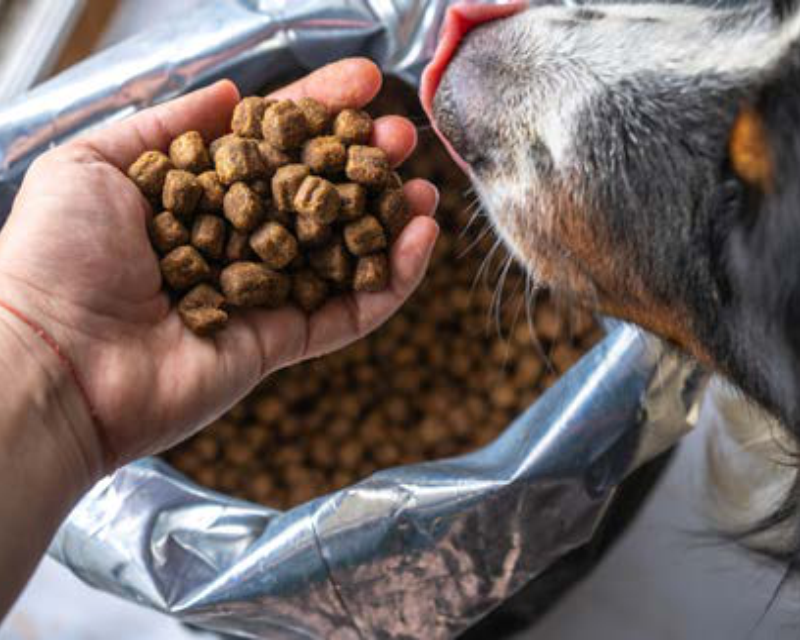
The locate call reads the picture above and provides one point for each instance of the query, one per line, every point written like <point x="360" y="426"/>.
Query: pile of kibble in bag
<point x="293" y="204"/>
<point x="446" y="375"/>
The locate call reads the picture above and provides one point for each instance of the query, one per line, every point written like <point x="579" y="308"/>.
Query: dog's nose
<point x="443" y="107"/>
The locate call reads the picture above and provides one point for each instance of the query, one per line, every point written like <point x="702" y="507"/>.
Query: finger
<point x="348" y="83"/>
<point x="349" y="317"/>
<point x="396" y="136"/>
<point x="208" y="111"/>
<point x="422" y="197"/>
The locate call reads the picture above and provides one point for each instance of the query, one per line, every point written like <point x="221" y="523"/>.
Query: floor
<point x="660" y="582"/>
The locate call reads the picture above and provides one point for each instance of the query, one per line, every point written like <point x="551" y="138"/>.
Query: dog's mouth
<point x="459" y="21"/>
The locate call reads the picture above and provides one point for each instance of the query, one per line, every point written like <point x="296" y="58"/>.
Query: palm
<point x="98" y="288"/>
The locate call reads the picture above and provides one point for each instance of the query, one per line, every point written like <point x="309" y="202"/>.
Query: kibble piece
<point x="167" y="232"/>
<point x="372" y="273"/>
<point x="243" y="207"/>
<point x="248" y="284"/>
<point x="332" y="263"/>
<point x="285" y="184"/>
<point x="201" y="310"/>
<point x="208" y="235"/>
<point x="273" y="158"/>
<point x="238" y="159"/>
<point x="149" y="172"/>
<point x="247" y="117"/>
<point x="364" y="236"/>
<point x="353" y="127"/>
<point x="216" y="144"/>
<point x="274" y="244"/>
<point x="318" y="199"/>
<point x="213" y="192"/>
<point x="284" y="125"/>
<point x="238" y="247"/>
<point x="184" y="267"/>
<point x="353" y="200"/>
<point x="394" y="181"/>
<point x="392" y="210"/>
<point x="309" y="291"/>
<point x="310" y="232"/>
<point x="325" y="154"/>
<point x="317" y="117"/>
<point x="368" y="166"/>
<point x="182" y="192"/>
<point x="188" y="152"/>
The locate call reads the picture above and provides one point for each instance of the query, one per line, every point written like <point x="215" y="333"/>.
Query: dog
<point x="644" y="160"/>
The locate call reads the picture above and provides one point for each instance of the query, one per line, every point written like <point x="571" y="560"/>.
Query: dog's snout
<point x="450" y="85"/>
<point x="460" y="97"/>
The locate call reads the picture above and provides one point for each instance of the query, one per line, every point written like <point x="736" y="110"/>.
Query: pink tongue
<point x="460" y="20"/>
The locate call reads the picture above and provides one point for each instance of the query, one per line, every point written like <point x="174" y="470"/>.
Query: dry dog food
<point x="445" y="375"/>
<point x="292" y="206"/>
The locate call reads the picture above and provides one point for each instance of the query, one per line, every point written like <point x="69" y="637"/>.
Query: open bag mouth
<point x="460" y="20"/>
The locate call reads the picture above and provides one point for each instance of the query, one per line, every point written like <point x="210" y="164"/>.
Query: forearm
<point x="45" y="465"/>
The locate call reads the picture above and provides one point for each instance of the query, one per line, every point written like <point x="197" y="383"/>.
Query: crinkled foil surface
<point x="415" y="552"/>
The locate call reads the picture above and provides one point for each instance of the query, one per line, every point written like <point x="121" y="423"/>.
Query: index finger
<point x="352" y="83"/>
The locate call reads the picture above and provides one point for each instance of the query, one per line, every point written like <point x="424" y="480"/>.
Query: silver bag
<point x="415" y="552"/>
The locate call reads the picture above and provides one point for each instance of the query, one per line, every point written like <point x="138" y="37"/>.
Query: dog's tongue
<point x="459" y="21"/>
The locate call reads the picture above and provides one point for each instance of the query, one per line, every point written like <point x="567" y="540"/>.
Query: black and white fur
<point x="599" y="142"/>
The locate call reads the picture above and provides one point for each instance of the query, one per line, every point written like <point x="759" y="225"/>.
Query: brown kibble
<point x="394" y="181"/>
<point x="547" y="322"/>
<point x="364" y="236"/>
<point x="247" y="117"/>
<point x="188" y="152"/>
<point x="353" y="200"/>
<point x="216" y="144"/>
<point x="184" y="267"/>
<point x="262" y="487"/>
<point x="167" y="232"/>
<point x="317" y="117"/>
<point x="285" y="184"/>
<point x="325" y="154"/>
<point x="182" y="192"/>
<point x="213" y="192"/>
<point x="318" y="199"/>
<point x="351" y="454"/>
<point x="368" y="166"/>
<point x="284" y="125"/>
<point x="243" y="207"/>
<point x="149" y="172"/>
<point x="564" y="356"/>
<point x="372" y="273"/>
<point x="273" y="158"/>
<point x="206" y="447"/>
<point x="201" y="310"/>
<point x="309" y="291"/>
<point x="353" y="127"/>
<point x="238" y="247"/>
<point x="274" y="244"/>
<point x="248" y="284"/>
<point x="310" y="232"/>
<point x="208" y="235"/>
<point x="239" y="160"/>
<point x="332" y="263"/>
<point x="392" y="210"/>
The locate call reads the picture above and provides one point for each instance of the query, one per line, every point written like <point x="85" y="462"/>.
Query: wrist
<point x="46" y="424"/>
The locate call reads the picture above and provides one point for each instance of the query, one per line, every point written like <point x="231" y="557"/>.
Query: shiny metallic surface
<point x="416" y="552"/>
<point x="413" y="552"/>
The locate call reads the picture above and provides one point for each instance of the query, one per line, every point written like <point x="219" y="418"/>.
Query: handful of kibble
<point x="293" y="205"/>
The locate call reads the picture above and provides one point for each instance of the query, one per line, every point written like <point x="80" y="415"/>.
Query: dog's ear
<point x="762" y="255"/>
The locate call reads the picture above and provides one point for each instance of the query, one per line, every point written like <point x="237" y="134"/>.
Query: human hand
<point x="75" y="257"/>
